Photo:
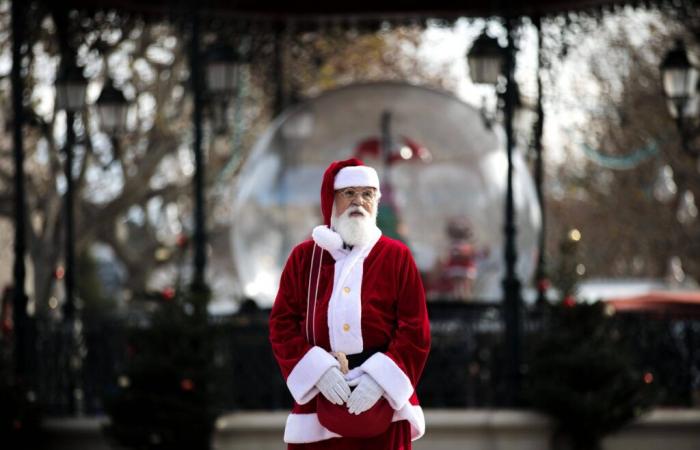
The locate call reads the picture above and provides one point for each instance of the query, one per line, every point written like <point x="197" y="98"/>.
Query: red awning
<point x="663" y="302"/>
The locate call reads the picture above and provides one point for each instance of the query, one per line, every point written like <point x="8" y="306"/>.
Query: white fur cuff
<point x="397" y="386"/>
<point x="305" y="428"/>
<point x="303" y="378"/>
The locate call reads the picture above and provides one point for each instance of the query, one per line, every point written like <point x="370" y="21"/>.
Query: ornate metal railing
<point x="464" y="369"/>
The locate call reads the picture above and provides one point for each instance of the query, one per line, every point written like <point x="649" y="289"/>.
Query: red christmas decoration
<point x="543" y="285"/>
<point x="569" y="301"/>
<point x="168" y="293"/>
<point x="6" y="323"/>
<point x="182" y="240"/>
<point x="408" y="150"/>
<point x="187" y="385"/>
<point x="59" y="273"/>
<point x="7" y="327"/>
<point x="648" y="377"/>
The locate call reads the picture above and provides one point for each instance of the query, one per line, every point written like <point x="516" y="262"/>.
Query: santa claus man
<point x="349" y="326"/>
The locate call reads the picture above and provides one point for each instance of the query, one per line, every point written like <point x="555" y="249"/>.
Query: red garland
<point x="168" y="293"/>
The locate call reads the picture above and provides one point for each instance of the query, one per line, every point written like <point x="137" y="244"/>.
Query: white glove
<point x="365" y="395"/>
<point x="333" y="386"/>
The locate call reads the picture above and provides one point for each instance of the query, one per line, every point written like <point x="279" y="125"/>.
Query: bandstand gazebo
<point x="198" y="16"/>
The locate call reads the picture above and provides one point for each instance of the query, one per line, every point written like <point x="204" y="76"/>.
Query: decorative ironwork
<point x="466" y="367"/>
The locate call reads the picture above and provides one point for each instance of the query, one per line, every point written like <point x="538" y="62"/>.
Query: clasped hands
<point x="336" y="389"/>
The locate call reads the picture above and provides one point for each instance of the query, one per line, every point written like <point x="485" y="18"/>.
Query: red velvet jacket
<point x="392" y="313"/>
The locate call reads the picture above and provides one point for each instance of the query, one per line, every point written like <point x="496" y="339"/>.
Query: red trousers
<point x="397" y="437"/>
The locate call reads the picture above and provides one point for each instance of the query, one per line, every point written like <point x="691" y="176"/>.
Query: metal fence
<point x="465" y="367"/>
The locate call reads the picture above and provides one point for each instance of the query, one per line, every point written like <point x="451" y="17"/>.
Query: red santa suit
<point x="367" y="297"/>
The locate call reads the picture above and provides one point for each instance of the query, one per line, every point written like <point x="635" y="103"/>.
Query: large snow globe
<point x="443" y="174"/>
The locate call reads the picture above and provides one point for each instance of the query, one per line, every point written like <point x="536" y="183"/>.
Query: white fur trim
<point x="397" y="386"/>
<point x="305" y="428"/>
<point x="327" y="238"/>
<point x="414" y="415"/>
<point x="356" y="176"/>
<point x="303" y="378"/>
<point x="345" y="304"/>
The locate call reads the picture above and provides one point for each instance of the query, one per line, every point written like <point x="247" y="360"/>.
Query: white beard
<point x="355" y="230"/>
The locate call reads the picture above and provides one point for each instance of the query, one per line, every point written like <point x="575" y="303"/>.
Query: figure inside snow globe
<point x="455" y="274"/>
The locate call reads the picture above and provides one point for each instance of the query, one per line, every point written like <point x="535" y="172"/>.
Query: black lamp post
<point x="23" y="335"/>
<point x="486" y="59"/>
<point x="540" y="273"/>
<point x="199" y="285"/>
<point x="70" y="96"/>
<point x="680" y="83"/>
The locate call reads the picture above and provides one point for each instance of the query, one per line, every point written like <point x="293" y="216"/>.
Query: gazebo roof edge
<point x="362" y="10"/>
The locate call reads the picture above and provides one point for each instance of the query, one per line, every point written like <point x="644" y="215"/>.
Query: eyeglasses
<point x="367" y="195"/>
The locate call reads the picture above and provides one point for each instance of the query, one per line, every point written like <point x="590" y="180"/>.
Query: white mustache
<point x="354" y="209"/>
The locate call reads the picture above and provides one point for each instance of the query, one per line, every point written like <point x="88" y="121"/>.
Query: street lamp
<point x="222" y="71"/>
<point x="112" y="109"/>
<point x="486" y="59"/>
<point x="680" y="83"/>
<point x="70" y="86"/>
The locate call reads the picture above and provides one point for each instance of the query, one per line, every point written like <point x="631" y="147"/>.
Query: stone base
<point x="662" y="429"/>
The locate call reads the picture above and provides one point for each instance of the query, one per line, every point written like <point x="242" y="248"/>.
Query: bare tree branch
<point x="134" y="186"/>
<point x="6" y="177"/>
<point x="87" y="156"/>
<point x="7" y="208"/>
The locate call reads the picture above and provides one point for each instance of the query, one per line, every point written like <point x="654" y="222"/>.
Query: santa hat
<point x="342" y="174"/>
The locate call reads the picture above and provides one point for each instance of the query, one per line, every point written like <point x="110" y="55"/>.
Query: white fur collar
<point x="331" y="241"/>
<point x="327" y="239"/>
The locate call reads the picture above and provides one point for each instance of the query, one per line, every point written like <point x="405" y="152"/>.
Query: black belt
<point x="358" y="358"/>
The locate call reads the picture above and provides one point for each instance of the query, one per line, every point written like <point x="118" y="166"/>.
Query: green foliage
<point x="20" y="415"/>
<point x="20" y="419"/>
<point x="583" y="376"/>
<point x="164" y="399"/>
<point x="565" y="277"/>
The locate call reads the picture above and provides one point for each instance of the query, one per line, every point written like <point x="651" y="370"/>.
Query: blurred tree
<point x="567" y="270"/>
<point x="614" y="182"/>
<point x="20" y="414"/>
<point x="582" y="374"/>
<point x="166" y="394"/>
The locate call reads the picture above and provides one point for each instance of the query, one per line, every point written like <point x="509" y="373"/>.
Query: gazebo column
<point x="541" y="273"/>
<point x="20" y="319"/>
<point x="511" y="283"/>
<point x="200" y="257"/>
